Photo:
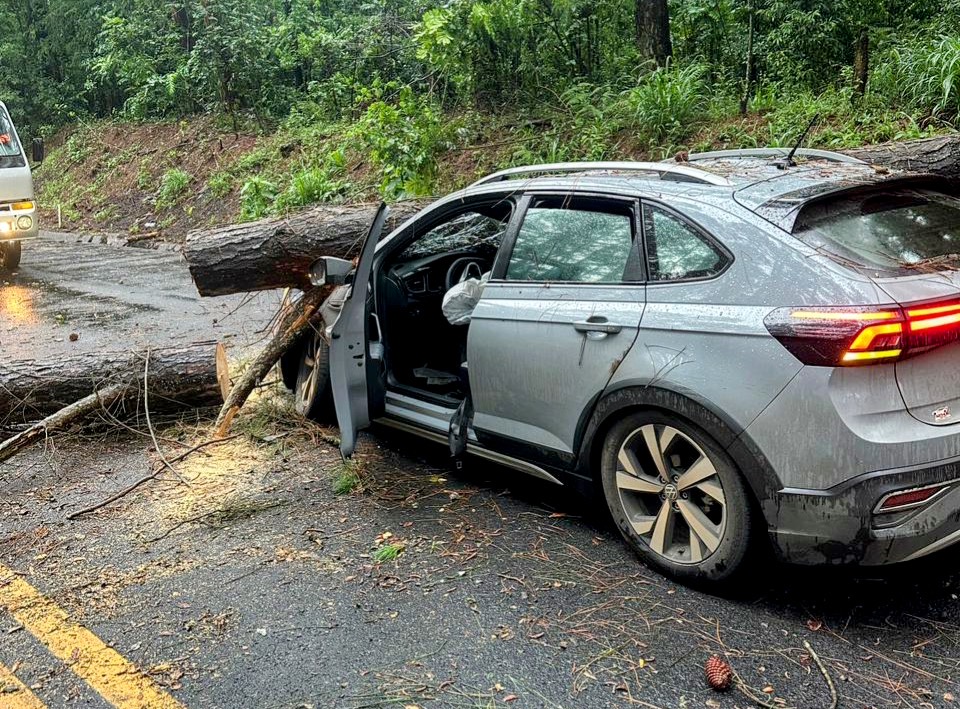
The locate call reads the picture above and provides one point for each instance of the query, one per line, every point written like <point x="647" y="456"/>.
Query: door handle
<point x="597" y="324"/>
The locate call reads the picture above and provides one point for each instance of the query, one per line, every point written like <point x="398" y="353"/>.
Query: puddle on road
<point x="36" y="302"/>
<point x="17" y="305"/>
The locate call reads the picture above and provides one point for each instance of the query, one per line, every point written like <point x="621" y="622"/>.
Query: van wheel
<point x="9" y="255"/>
<point x="677" y="498"/>
<point x="314" y="396"/>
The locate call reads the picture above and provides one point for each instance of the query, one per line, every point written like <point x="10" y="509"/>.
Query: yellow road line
<point x="14" y="694"/>
<point x="114" y="677"/>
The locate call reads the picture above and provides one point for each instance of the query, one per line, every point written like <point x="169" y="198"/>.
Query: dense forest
<point x="404" y="82"/>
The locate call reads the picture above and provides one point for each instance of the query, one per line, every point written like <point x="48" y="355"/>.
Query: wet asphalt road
<point x="255" y="584"/>
<point x="114" y="298"/>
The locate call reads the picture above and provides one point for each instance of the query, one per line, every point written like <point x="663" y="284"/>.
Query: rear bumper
<point x="839" y="525"/>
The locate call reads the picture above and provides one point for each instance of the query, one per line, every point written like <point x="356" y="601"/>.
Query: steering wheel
<point x="462" y="269"/>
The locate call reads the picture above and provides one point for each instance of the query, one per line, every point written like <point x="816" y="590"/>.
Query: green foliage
<point x="256" y="198"/>
<point x="144" y="178"/>
<point x="395" y="90"/>
<point x="403" y="137"/>
<point x="220" y="184"/>
<point x="310" y="186"/>
<point x="666" y="103"/>
<point x="924" y="73"/>
<point x="173" y="183"/>
<point x="78" y="146"/>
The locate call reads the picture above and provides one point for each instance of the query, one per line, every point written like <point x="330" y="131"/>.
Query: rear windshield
<point x="10" y="155"/>
<point x="893" y="230"/>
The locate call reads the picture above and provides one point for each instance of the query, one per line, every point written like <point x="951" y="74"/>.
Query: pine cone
<point x="719" y="673"/>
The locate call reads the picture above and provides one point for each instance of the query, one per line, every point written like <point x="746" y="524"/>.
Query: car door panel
<point x="542" y="348"/>
<point x="539" y="355"/>
<point x="348" y="346"/>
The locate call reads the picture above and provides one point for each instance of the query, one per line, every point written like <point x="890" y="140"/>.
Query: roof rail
<point x="665" y="171"/>
<point x="775" y="153"/>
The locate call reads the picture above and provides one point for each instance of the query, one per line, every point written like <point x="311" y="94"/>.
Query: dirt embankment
<point x="146" y="181"/>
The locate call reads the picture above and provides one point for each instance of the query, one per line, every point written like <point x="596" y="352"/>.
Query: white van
<point x="18" y="218"/>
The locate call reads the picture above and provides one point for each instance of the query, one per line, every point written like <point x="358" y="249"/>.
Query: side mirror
<point x="330" y="271"/>
<point x="39" y="151"/>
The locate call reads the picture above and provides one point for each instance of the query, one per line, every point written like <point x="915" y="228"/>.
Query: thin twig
<point x="146" y="411"/>
<point x="834" y="698"/>
<point x="181" y="523"/>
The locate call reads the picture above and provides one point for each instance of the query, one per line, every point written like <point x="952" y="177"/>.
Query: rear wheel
<point x="314" y="396"/>
<point x="9" y="255"/>
<point x="677" y="497"/>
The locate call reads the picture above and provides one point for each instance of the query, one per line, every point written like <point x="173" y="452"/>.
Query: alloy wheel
<point x="309" y="377"/>
<point x="671" y="493"/>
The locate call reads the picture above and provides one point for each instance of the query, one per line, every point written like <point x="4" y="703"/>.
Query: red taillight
<point x="831" y="337"/>
<point x="909" y="498"/>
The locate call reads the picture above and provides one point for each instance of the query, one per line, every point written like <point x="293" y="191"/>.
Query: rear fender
<point x="613" y="405"/>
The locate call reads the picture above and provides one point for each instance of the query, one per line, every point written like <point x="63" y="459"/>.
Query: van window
<point x="892" y="230"/>
<point x="9" y="146"/>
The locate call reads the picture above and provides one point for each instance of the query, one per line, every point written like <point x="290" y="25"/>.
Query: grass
<point x="386" y="553"/>
<point x="173" y="185"/>
<point x="346" y="480"/>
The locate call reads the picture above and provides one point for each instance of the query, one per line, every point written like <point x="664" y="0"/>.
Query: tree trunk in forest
<point x="748" y="71"/>
<point x="652" y="18"/>
<point x="277" y="253"/>
<point x="861" y="63"/>
<point x="939" y="155"/>
<point x="178" y="378"/>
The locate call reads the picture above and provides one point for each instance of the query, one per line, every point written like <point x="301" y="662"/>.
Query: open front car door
<point x="349" y="343"/>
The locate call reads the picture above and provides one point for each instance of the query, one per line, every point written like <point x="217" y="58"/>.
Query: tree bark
<point x="652" y="18"/>
<point x="939" y="155"/>
<point x="294" y="320"/>
<point x="861" y="62"/>
<point x="277" y="253"/>
<point x="748" y="71"/>
<point x="178" y="378"/>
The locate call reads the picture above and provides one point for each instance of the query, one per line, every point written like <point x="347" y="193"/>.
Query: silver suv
<point x="734" y="347"/>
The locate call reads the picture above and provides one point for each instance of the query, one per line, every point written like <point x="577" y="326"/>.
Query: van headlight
<point x="24" y="223"/>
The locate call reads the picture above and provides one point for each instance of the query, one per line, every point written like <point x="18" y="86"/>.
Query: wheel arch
<point x="629" y="397"/>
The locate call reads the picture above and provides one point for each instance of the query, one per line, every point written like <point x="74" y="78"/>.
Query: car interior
<point x="423" y="351"/>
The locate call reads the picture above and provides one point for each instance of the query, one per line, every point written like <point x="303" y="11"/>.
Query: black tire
<point x="714" y="512"/>
<point x="10" y="252"/>
<point x="312" y="391"/>
<point x="290" y="365"/>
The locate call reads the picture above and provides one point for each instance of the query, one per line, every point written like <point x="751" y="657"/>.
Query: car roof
<point x="753" y="179"/>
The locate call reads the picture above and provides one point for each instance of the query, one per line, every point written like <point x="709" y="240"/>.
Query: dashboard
<point x="431" y="276"/>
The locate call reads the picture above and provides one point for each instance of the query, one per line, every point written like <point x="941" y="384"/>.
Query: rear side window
<point x="675" y="250"/>
<point x="561" y="240"/>
<point x="893" y="230"/>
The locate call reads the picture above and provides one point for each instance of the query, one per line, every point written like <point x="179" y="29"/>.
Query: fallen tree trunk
<point x="277" y="253"/>
<point x="294" y="320"/>
<point x="178" y="377"/>
<point x="939" y="155"/>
